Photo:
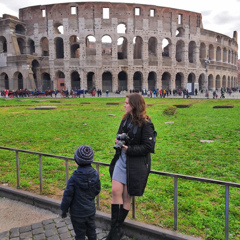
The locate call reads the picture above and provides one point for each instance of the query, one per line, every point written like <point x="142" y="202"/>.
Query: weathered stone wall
<point x="161" y="48"/>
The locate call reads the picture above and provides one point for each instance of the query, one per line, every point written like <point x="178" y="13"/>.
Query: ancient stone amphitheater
<point x="113" y="46"/>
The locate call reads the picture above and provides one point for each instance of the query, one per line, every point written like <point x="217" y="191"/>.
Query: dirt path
<point x="17" y="214"/>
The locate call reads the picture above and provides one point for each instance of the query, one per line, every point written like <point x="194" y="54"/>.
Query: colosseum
<point x="114" y="47"/>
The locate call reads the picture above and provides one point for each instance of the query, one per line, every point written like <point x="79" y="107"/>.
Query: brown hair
<point x="138" y="105"/>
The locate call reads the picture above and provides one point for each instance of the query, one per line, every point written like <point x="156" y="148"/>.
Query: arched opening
<point x="166" y="48"/>
<point x="107" y="81"/>
<point x="121" y="28"/>
<point x="179" y="81"/>
<point x="4" y="81"/>
<point x="60" y="81"/>
<point x="106" y="46"/>
<point x="46" y="82"/>
<point x="203" y="51"/>
<point x="74" y="46"/>
<point x="152" y="80"/>
<point x="31" y="46"/>
<point x="58" y="28"/>
<point x="211" y="52"/>
<point x="180" y="50"/>
<point x="166" y="78"/>
<point x="201" y="81"/>
<point x="122" y="81"/>
<point x="19" y="29"/>
<point x="218" y="82"/>
<point x="44" y="46"/>
<point x="218" y="54"/>
<point x="224" y="82"/>
<point x="137" y="81"/>
<point x="152" y="47"/>
<point x="192" y="52"/>
<point x="59" y="48"/>
<point x="122" y="48"/>
<point x="21" y="45"/>
<point x="75" y="80"/>
<point x="90" y="46"/>
<point x="36" y="71"/>
<point x="191" y="78"/>
<point x="137" y="46"/>
<point x="3" y="45"/>
<point x="210" y="82"/>
<point x="90" y="81"/>
<point x="180" y="32"/>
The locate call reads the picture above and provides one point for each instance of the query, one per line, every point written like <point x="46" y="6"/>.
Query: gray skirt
<point x="120" y="171"/>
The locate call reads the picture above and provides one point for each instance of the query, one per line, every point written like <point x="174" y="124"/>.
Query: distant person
<point x="79" y="195"/>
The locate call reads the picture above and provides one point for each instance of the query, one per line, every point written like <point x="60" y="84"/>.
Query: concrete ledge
<point x="138" y="230"/>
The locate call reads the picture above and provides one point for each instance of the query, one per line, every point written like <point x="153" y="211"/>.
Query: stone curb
<point x="133" y="229"/>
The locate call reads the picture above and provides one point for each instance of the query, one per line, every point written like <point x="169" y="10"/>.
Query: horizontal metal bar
<point x="207" y="180"/>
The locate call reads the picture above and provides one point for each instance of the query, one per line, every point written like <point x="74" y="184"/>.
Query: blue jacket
<point x="82" y="188"/>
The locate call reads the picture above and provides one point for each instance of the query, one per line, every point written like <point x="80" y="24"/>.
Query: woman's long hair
<point x="138" y="105"/>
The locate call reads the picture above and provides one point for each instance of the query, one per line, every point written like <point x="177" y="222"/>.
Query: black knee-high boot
<point x="115" y="233"/>
<point x="118" y="216"/>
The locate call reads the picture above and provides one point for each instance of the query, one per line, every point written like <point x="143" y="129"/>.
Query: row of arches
<point x="122" y="81"/>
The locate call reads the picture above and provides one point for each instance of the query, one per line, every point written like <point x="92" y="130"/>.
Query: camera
<point x="123" y="139"/>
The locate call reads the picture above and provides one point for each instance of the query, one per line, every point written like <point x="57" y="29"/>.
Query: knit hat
<point x="83" y="155"/>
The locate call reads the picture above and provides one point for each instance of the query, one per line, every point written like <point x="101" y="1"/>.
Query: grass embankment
<point x="178" y="150"/>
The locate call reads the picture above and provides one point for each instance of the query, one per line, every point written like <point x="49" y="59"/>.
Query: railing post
<point x="18" y="171"/>
<point x="226" y="212"/>
<point x="133" y="207"/>
<point x="40" y="172"/>
<point x="175" y="203"/>
<point x="66" y="170"/>
<point x="98" y="196"/>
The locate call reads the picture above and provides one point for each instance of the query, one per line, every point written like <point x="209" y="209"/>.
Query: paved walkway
<point x="51" y="229"/>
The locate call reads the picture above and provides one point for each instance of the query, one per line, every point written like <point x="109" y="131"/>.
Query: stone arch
<point x="224" y="55"/>
<point x="122" y="81"/>
<point x="229" y="56"/>
<point x="210" y="82"/>
<point x="46" y="81"/>
<point x="180" y="32"/>
<point x="138" y="47"/>
<point x="201" y="81"/>
<point x="60" y="76"/>
<point x="31" y="46"/>
<point x="58" y="28"/>
<point x="36" y="71"/>
<point x="224" y="81"/>
<point x="218" y="54"/>
<point x="44" y="44"/>
<point x="211" y="52"/>
<point x="192" y="49"/>
<point x="107" y="81"/>
<point x="203" y="51"/>
<point x="121" y="28"/>
<point x="3" y="44"/>
<point x="228" y="82"/>
<point x="59" y="47"/>
<point x="152" y="81"/>
<point x="166" y="47"/>
<point x="218" y="82"/>
<point x="180" y="51"/>
<point x="75" y="80"/>
<point x="166" y="79"/>
<point x="17" y="80"/>
<point x="74" y="46"/>
<point x="179" y="81"/>
<point x="21" y="45"/>
<point x="90" y="45"/>
<point x="152" y="47"/>
<point x="122" y="48"/>
<point x="106" y="45"/>
<point x="137" y="81"/>
<point x="4" y="81"/>
<point x="218" y="39"/>
<point x="191" y="78"/>
<point x="90" y="81"/>
<point x="20" y="29"/>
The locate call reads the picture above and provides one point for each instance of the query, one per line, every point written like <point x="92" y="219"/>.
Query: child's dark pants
<point x="84" y="227"/>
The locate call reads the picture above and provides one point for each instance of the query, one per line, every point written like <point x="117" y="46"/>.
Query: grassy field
<point x="178" y="150"/>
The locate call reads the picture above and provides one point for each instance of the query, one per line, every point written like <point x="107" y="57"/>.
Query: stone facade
<point x="113" y="46"/>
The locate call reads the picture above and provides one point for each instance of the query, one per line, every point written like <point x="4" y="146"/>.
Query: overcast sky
<point x="218" y="16"/>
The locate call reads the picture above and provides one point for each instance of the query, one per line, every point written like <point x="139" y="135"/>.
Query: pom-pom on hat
<point x="83" y="155"/>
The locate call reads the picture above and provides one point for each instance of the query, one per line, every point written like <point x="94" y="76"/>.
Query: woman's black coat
<point x="138" y="156"/>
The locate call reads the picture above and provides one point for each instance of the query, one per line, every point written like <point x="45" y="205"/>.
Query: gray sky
<point x="219" y="16"/>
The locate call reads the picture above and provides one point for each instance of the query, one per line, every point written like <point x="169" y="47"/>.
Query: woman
<point x="130" y="166"/>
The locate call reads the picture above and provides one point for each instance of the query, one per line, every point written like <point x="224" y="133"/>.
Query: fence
<point x="173" y="175"/>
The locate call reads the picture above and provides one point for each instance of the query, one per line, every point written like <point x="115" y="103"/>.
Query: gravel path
<point x="18" y="214"/>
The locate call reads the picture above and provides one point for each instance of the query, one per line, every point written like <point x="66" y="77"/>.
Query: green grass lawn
<point x="178" y="150"/>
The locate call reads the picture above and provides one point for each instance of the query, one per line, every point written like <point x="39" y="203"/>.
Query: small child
<point x="82" y="188"/>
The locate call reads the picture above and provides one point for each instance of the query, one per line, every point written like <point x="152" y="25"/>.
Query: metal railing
<point x="173" y="175"/>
